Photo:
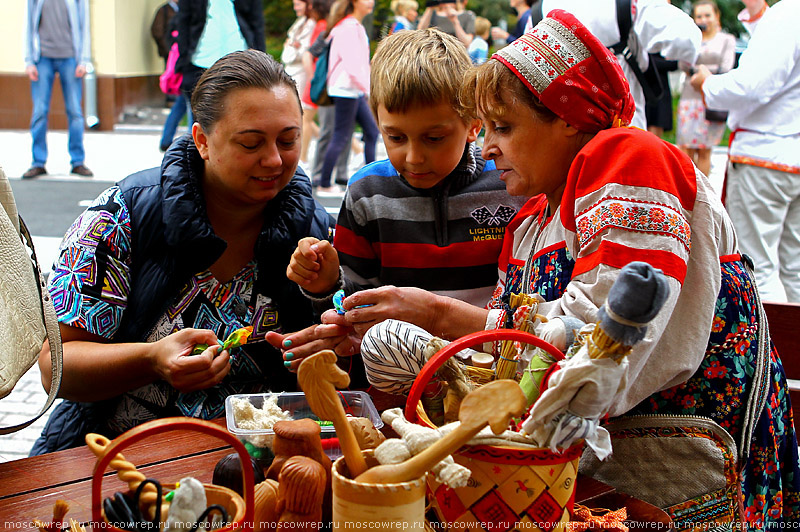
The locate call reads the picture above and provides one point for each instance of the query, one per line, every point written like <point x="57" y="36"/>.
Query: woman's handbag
<point x="716" y="115"/>
<point x="509" y="484"/>
<point x="27" y="315"/>
<point x="686" y="465"/>
<point x="170" y="81"/>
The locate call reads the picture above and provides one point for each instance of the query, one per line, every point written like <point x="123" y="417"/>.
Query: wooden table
<point x="30" y="487"/>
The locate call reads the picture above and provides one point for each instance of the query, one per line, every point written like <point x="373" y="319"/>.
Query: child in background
<point x="432" y="216"/>
<point x="405" y="15"/>
<point x="348" y="86"/>
<point x="479" y="47"/>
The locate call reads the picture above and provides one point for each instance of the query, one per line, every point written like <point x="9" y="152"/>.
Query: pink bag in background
<point x="170" y="81"/>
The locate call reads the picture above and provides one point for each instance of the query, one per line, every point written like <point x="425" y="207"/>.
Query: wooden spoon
<point x="493" y="404"/>
<point x="317" y="376"/>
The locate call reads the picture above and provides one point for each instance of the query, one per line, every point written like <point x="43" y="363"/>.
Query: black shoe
<point x="81" y="170"/>
<point x="34" y="171"/>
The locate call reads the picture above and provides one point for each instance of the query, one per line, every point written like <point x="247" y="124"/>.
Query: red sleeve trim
<point x="632" y="215"/>
<point x="632" y="157"/>
<point x="618" y="256"/>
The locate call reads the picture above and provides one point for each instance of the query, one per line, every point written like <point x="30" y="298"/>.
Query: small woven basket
<point x="510" y="487"/>
<point x="240" y="511"/>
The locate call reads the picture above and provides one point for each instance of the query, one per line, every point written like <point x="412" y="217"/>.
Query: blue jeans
<point x="180" y="107"/>
<point x="348" y="112"/>
<point x="41" y="92"/>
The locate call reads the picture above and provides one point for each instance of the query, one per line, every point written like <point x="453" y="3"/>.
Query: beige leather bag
<point x="27" y="316"/>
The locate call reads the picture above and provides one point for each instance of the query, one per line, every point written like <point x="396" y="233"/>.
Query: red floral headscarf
<point x="571" y="72"/>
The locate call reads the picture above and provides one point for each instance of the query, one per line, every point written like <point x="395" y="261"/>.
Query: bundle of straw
<point x="633" y="301"/>
<point x="600" y="345"/>
<point x="524" y="307"/>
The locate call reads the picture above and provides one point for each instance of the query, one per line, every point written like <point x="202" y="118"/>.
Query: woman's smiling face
<point x="252" y="151"/>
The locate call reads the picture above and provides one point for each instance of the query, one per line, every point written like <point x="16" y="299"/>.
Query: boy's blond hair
<point x="418" y="67"/>
<point x="482" y="26"/>
<point x="401" y="7"/>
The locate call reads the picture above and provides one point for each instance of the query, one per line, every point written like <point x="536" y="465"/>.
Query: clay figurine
<point x="300" y="437"/>
<point x="296" y="437"/>
<point x="301" y="487"/>
<point x="265" y="511"/>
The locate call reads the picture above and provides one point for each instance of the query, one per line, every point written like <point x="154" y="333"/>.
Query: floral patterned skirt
<point x="720" y="389"/>
<point x="694" y="131"/>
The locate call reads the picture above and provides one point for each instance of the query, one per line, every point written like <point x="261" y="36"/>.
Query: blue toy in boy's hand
<point x="338" y="298"/>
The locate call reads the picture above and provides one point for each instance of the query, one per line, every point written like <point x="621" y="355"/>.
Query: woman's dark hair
<point x="246" y="69"/>
<point x="320" y="9"/>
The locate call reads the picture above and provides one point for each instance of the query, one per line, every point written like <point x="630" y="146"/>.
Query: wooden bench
<point x="784" y="327"/>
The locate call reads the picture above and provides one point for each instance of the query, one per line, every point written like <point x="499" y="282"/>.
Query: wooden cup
<point x="376" y="505"/>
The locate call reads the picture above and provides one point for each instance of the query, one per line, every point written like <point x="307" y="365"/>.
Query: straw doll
<point x="582" y="390"/>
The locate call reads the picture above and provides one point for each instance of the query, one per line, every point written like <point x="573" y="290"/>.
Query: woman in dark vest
<point x="182" y="255"/>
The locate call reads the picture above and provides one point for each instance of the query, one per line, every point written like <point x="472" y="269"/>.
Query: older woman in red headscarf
<point x="555" y="105"/>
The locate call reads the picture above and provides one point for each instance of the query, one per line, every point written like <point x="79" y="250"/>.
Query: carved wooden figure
<point x="319" y="376"/>
<point x="300" y="437"/>
<point x="265" y="515"/>
<point x="301" y="487"/>
<point x="367" y="436"/>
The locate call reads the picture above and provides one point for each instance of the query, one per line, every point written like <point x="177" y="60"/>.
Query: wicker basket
<point x="510" y="487"/>
<point x="240" y="511"/>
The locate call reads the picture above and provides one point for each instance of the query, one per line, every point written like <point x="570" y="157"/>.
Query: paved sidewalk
<point x="111" y="155"/>
<point x="24" y="402"/>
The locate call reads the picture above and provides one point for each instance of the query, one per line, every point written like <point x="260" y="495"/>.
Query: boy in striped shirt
<point x="430" y="217"/>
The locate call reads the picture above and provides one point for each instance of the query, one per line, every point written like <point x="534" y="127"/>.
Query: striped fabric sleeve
<point x="359" y="259"/>
<point x="630" y="197"/>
